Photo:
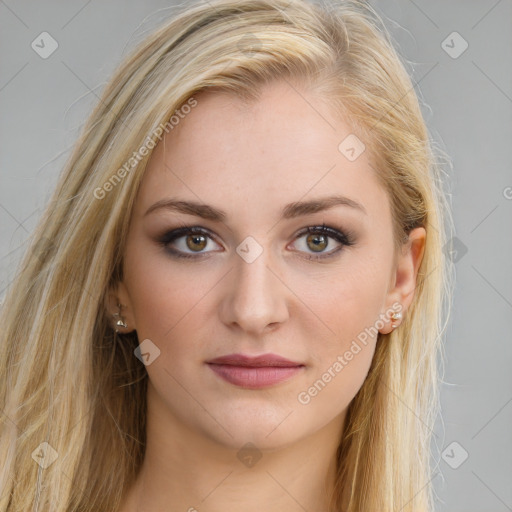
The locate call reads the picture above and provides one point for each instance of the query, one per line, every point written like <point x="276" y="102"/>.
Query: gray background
<point x="467" y="103"/>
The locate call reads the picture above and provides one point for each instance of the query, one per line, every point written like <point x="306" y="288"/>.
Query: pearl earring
<point x="120" y="321"/>
<point x="395" y="317"/>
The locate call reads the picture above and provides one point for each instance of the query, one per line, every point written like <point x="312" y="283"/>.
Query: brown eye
<point x="318" y="242"/>
<point x="316" y="239"/>
<point x="196" y="242"/>
<point x="188" y="242"/>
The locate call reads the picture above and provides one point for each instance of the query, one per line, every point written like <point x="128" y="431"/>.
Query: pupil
<point x="195" y="241"/>
<point x="317" y="241"/>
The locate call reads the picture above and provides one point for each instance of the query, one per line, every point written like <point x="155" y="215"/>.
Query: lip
<point x="254" y="372"/>
<point x="257" y="361"/>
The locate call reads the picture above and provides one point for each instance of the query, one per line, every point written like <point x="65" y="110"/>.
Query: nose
<point x="256" y="299"/>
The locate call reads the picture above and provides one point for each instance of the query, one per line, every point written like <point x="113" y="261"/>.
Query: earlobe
<point x="120" y="321"/>
<point x="405" y="278"/>
<point x="119" y="310"/>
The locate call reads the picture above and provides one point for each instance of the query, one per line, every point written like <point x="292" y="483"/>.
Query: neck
<point x="186" y="471"/>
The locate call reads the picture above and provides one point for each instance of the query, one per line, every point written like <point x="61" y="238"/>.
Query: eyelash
<point x="345" y="238"/>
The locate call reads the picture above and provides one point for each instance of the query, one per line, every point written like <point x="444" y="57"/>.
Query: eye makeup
<point x="345" y="238"/>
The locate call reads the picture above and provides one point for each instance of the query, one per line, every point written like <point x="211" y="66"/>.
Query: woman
<point x="235" y="296"/>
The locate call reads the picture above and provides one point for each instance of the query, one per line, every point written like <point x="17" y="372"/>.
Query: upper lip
<point x="258" y="361"/>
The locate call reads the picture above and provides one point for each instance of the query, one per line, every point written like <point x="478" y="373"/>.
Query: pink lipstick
<point x="254" y="372"/>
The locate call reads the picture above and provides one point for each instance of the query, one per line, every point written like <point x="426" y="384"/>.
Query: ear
<point x="404" y="277"/>
<point x="120" y="296"/>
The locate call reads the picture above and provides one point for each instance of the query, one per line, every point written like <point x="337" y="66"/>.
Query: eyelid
<point x="182" y="231"/>
<point x="345" y="238"/>
<point x="342" y="236"/>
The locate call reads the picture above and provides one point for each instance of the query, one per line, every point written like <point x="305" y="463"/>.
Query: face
<point x="250" y="280"/>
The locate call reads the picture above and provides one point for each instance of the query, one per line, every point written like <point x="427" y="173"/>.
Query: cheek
<point x="349" y="307"/>
<point x="166" y="295"/>
<point x="345" y="301"/>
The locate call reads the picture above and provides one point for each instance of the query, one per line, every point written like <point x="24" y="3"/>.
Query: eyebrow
<point x="290" y="211"/>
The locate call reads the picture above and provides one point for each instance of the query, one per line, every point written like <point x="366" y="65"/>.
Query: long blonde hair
<point x="68" y="380"/>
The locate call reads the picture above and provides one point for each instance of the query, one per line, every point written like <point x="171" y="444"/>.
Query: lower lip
<point x="254" y="377"/>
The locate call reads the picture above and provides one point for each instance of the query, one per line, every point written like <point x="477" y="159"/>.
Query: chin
<point x="255" y="439"/>
<point x="268" y="432"/>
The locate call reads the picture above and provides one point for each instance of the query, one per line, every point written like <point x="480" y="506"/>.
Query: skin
<point x="251" y="160"/>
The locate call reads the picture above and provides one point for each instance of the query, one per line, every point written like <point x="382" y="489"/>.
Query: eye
<point x="191" y="241"/>
<point x="316" y="239"/>
<point x="194" y="239"/>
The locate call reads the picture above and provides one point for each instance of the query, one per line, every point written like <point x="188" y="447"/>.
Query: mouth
<point x="254" y="372"/>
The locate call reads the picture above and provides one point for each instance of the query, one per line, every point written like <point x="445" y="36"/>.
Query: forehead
<point x="282" y="147"/>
